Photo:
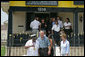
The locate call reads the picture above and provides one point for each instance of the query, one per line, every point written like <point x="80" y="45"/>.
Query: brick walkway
<point x="20" y="51"/>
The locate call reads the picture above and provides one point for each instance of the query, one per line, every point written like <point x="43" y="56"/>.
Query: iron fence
<point x="14" y="46"/>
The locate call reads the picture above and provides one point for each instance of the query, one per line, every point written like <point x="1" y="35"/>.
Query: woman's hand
<point x="66" y="55"/>
<point x="49" y="52"/>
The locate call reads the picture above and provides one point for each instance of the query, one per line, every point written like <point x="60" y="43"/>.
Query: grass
<point x="2" y="51"/>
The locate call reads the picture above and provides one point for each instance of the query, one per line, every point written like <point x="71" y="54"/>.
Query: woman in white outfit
<point x="65" y="46"/>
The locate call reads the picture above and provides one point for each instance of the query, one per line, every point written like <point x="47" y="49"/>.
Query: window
<point x="49" y="3"/>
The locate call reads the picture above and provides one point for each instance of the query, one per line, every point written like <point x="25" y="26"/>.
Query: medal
<point x="34" y="48"/>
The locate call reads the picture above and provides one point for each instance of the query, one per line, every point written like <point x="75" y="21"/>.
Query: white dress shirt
<point x="32" y="51"/>
<point x="65" y="49"/>
<point x="67" y="25"/>
<point x="60" y="23"/>
<point x="56" y="28"/>
<point x="35" y="24"/>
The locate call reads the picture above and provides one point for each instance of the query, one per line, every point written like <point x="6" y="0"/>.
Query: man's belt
<point x="56" y="31"/>
<point x="43" y="48"/>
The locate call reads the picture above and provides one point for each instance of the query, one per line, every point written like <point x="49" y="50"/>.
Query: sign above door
<point x="47" y="3"/>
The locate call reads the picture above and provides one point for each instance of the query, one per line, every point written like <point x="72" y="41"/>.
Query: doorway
<point x="41" y="15"/>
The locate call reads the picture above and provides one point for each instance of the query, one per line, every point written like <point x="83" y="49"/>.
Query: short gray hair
<point x="42" y="31"/>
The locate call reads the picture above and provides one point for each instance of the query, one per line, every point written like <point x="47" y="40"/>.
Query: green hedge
<point x="2" y="51"/>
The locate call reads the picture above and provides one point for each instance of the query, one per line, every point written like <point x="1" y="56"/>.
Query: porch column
<point x="9" y="39"/>
<point x="75" y="27"/>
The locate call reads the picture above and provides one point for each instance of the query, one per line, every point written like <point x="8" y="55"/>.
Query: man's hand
<point x="49" y="52"/>
<point x="26" y="47"/>
<point x="52" y="32"/>
<point x="45" y="25"/>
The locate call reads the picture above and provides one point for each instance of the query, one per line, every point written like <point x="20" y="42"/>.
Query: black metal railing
<point x="17" y="41"/>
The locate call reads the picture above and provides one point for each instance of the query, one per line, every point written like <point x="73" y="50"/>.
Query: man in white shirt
<point x="35" y="25"/>
<point x="32" y="46"/>
<point x="60" y="22"/>
<point x="55" y="32"/>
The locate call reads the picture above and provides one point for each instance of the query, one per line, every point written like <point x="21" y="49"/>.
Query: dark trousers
<point x="68" y="33"/>
<point x="43" y="51"/>
<point x="57" y="37"/>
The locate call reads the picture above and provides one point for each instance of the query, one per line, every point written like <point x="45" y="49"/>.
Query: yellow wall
<point x="67" y="4"/>
<point x="17" y="3"/>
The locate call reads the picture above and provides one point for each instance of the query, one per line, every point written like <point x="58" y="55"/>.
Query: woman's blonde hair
<point x="64" y="35"/>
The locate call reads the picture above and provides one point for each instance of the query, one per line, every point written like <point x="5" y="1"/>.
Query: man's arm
<point x="40" y="27"/>
<point x="28" y="46"/>
<point x="52" y="29"/>
<point x="62" y="24"/>
<point x="31" y="25"/>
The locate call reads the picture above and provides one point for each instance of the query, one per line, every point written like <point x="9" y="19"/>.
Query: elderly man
<point x="44" y="45"/>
